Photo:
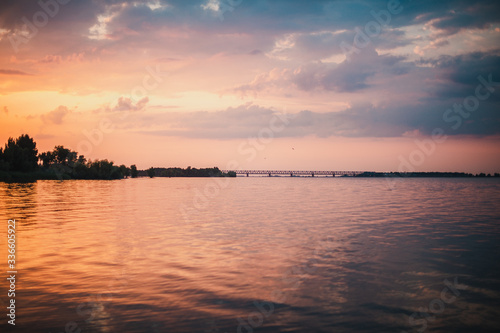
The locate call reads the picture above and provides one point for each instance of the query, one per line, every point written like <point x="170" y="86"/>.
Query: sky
<point x="252" y="84"/>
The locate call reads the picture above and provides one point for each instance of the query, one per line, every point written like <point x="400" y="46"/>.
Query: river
<point x="270" y="254"/>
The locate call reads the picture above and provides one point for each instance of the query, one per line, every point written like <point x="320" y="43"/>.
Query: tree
<point x="133" y="171"/>
<point x="4" y="166"/>
<point x="20" y="154"/>
<point x="47" y="159"/>
<point x="62" y="155"/>
<point x="151" y="172"/>
<point x="104" y="169"/>
<point x="124" y="170"/>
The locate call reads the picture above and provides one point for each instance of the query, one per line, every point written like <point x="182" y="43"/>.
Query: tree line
<point x="426" y="174"/>
<point x="188" y="172"/>
<point x="20" y="160"/>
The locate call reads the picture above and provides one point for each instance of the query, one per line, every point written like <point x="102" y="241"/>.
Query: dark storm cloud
<point x="258" y="15"/>
<point x="478" y="15"/>
<point x="465" y="68"/>
<point x="461" y="73"/>
<point x="140" y="21"/>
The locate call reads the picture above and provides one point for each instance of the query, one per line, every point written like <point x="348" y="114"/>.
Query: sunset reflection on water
<point x="267" y="254"/>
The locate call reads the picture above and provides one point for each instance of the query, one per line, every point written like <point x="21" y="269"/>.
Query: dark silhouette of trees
<point x="4" y="165"/>
<point x="133" y="171"/>
<point x="64" y="156"/>
<point x="103" y="169"/>
<point x="47" y="158"/>
<point x="192" y="172"/>
<point x="427" y="174"/>
<point x="20" y="155"/>
<point x="19" y="161"/>
<point x="151" y="172"/>
<point x="125" y="171"/>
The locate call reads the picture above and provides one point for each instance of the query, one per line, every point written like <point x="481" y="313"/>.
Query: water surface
<point x="254" y="254"/>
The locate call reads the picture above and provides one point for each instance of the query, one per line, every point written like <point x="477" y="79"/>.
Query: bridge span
<point x="292" y="173"/>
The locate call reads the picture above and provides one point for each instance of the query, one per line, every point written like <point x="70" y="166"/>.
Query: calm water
<point x="254" y="254"/>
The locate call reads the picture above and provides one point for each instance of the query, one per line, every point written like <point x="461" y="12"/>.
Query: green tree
<point x="133" y="171"/>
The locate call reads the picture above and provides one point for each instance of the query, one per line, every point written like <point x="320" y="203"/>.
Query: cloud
<point x="284" y="29"/>
<point x="12" y="72"/>
<point x="321" y="45"/>
<point x="362" y="120"/>
<point x="51" y="59"/>
<point x="121" y="19"/>
<point x="42" y="136"/>
<point x="317" y="28"/>
<point x="289" y="47"/>
<point x="126" y="104"/>
<point x="440" y="42"/>
<point x="255" y="52"/>
<point x="55" y="116"/>
<point x="458" y="74"/>
<point x="242" y="121"/>
<point x="348" y="76"/>
<point x="5" y="110"/>
<point x="475" y="16"/>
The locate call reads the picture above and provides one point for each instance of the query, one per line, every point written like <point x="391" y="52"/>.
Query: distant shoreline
<point x="26" y="177"/>
<point x="20" y="161"/>
<point x="360" y="174"/>
<point x="427" y="175"/>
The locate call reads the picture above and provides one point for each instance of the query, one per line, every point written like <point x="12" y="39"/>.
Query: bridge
<point x="295" y="173"/>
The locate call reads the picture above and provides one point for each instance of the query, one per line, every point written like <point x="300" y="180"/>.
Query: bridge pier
<point x="269" y="174"/>
<point x="247" y="174"/>
<point x="291" y="174"/>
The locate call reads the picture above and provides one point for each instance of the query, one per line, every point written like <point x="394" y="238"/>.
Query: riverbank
<point x="26" y="177"/>
<point x="426" y="174"/>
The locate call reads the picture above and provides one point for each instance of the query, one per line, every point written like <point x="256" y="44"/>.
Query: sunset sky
<point x="276" y="84"/>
